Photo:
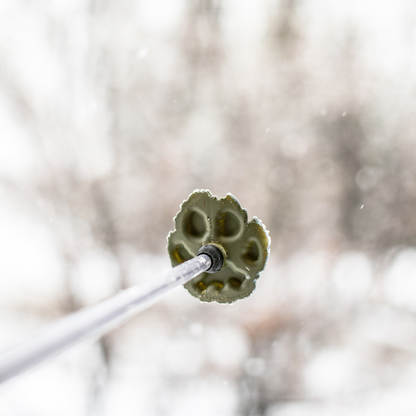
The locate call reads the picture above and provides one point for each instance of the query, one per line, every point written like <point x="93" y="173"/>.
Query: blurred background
<point x="113" y="112"/>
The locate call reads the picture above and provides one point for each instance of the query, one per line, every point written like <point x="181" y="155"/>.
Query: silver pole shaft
<point x="99" y="319"/>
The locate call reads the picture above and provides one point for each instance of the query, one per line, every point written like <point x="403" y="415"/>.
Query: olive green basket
<point x="205" y="219"/>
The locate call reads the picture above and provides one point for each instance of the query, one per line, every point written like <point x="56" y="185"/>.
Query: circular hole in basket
<point x="251" y="253"/>
<point x="181" y="254"/>
<point x="194" y="225"/>
<point x="228" y="225"/>
<point x="201" y="287"/>
<point x="234" y="282"/>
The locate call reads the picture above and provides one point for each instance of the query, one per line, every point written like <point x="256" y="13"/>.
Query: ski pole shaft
<point x="97" y="320"/>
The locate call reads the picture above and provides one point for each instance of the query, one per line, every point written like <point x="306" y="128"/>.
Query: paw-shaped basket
<point x="205" y="219"/>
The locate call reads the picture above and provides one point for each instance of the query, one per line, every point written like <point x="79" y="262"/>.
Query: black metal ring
<point x="216" y="256"/>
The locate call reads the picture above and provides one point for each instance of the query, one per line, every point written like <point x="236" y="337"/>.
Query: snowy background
<point x="113" y="112"/>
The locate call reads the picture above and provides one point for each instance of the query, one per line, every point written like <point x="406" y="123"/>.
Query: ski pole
<point x="95" y="321"/>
